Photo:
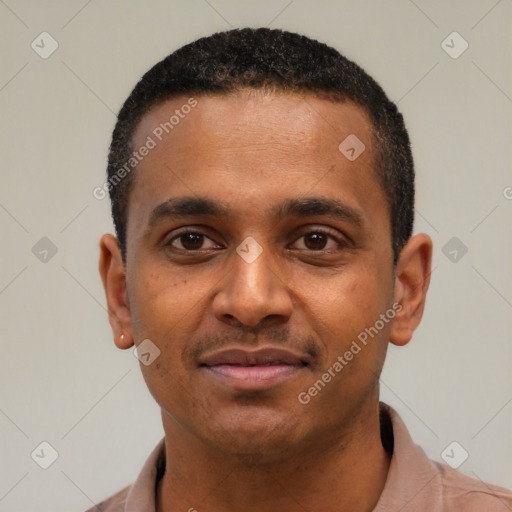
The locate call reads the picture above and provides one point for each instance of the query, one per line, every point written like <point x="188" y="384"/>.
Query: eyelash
<point x="340" y="243"/>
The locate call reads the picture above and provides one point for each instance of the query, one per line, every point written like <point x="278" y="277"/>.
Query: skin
<point x="230" y="449"/>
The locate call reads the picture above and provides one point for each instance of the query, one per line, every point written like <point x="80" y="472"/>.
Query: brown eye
<point x="189" y="241"/>
<point x="192" y="241"/>
<point x="315" y="241"/>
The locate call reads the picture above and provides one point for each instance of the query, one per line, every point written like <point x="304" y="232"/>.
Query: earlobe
<point x="112" y="273"/>
<point x="123" y="342"/>
<point x="411" y="285"/>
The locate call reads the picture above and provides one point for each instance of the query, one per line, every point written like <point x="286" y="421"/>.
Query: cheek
<point x="169" y="309"/>
<point x="344" y="306"/>
<point x="159" y="301"/>
<point x="165" y="309"/>
<point x="344" y="316"/>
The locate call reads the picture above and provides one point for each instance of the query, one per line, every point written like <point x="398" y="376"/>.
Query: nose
<point x="251" y="293"/>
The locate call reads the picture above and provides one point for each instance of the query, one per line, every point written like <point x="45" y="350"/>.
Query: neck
<point x="345" y="472"/>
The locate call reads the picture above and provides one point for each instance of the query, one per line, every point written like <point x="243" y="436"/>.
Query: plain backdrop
<point x="62" y="379"/>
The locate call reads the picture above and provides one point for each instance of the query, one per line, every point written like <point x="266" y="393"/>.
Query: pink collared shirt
<point x="414" y="483"/>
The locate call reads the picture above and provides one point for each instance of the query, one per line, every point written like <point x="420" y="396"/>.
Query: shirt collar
<point x="142" y="493"/>
<point x="410" y="478"/>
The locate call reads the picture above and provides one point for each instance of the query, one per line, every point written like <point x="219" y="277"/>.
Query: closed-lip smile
<point x="255" y="369"/>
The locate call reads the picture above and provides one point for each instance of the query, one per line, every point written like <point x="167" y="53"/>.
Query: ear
<point x="411" y="284"/>
<point x="114" y="283"/>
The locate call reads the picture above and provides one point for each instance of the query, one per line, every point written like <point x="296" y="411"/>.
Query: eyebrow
<point x="304" y="207"/>
<point x="187" y="207"/>
<point x="311" y="206"/>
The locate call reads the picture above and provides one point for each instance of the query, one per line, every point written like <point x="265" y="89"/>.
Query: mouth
<point x="254" y="370"/>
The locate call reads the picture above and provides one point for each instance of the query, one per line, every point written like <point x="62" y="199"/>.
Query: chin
<point x="254" y="435"/>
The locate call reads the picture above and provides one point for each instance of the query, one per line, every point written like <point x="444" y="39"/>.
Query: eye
<point x="191" y="241"/>
<point x="316" y="241"/>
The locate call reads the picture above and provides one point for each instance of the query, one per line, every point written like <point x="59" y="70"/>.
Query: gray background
<point x="62" y="379"/>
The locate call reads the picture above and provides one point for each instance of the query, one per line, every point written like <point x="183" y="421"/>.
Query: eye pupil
<point x="315" y="241"/>
<point x="192" y="241"/>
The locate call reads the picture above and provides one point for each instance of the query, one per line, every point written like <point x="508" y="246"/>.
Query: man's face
<point x="237" y="175"/>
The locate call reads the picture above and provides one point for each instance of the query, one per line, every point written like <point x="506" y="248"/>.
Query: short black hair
<point x="274" y="60"/>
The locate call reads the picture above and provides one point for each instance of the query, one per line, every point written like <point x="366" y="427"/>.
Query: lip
<point x="258" y="369"/>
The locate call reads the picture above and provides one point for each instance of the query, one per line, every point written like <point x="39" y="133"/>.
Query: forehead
<point x="256" y="146"/>
<point x="289" y="118"/>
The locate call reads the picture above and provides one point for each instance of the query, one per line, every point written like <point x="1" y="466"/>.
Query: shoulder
<point x="471" y="494"/>
<point x="115" y="503"/>
<point x="421" y="485"/>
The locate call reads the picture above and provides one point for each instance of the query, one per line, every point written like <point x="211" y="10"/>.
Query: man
<point x="262" y="191"/>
